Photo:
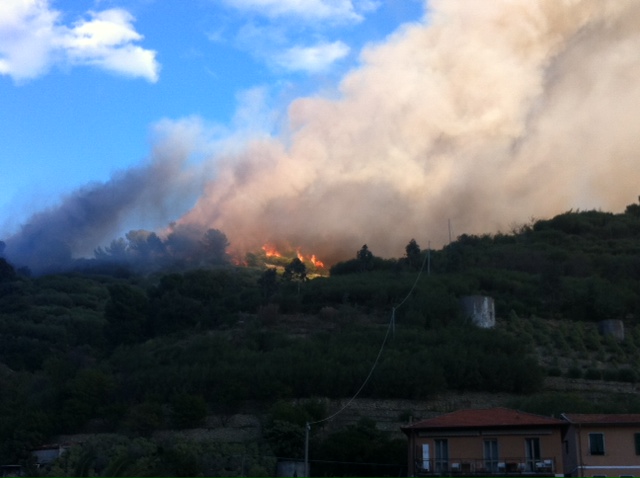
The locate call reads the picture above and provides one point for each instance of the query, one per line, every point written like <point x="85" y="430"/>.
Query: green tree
<point x="286" y="439"/>
<point x="412" y="255"/>
<point x="28" y="429"/>
<point x="295" y="270"/>
<point x="214" y="245"/>
<point x="116" y="251"/>
<point x="365" y="257"/>
<point x="144" y="245"/>
<point x="7" y="272"/>
<point x="632" y="209"/>
<point x="145" y="418"/>
<point x="126" y="313"/>
<point x="284" y="430"/>
<point x="188" y="411"/>
<point x="361" y="450"/>
<point x="85" y="397"/>
<point x="268" y="283"/>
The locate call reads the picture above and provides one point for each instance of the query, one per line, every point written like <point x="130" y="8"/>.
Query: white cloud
<point x="335" y="10"/>
<point x="106" y="41"/>
<point x="312" y="59"/>
<point x="107" y="28"/>
<point x="274" y="30"/>
<point x="270" y="44"/>
<point x="26" y="34"/>
<point x="32" y="40"/>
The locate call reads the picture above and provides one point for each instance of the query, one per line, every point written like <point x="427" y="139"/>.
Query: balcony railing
<point x="512" y="466"/>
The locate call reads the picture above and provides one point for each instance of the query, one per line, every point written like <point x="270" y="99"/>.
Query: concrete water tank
<point x="613" y="328"/>
<point x="480" y="309"/>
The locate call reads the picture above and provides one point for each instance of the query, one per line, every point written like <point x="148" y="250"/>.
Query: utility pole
<point x="307" y="427"/>
<point x="393" y="322"/>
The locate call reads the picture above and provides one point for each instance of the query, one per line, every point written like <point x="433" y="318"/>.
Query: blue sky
<point x="82" y="84"/>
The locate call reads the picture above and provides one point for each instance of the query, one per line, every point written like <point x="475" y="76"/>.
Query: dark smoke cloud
<point x="52" y="238"/>
<point x="487" y="114"/>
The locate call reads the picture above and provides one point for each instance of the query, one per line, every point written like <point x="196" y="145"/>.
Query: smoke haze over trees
<point x="185" y="246"/>
<point x="481" y="113"/>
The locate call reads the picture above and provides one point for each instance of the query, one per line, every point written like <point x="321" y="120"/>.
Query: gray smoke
<point x="84" y="219"/>
<point x="482" y="115"/>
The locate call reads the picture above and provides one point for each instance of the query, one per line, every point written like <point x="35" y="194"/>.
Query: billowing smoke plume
<point x="482" y="115"/>
<point x="486" y="114"/>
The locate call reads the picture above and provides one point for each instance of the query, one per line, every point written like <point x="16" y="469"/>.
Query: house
<point x="602" y="444"/>
<point x="11" y="470"/>
<point x="47" y="454"/>
<point x="495" y="441"/>
<point x="42" y="456"/>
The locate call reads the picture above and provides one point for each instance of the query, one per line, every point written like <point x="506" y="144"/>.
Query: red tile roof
<point x="603" y="418"/>
<point x="484" y="418"/>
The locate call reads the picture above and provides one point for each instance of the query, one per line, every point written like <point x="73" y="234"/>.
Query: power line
<point x="390" y="327"/>
<point x="375" y="363"/>
<point x="415" y="283"/>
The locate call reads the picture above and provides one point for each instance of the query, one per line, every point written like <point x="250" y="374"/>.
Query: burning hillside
<point x="270" y="256"/>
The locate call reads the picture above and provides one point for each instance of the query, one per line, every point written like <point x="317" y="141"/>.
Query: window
<point x="596" y="443"/>
<point x="491" y="455"/>
<point x="426" y="461"/>
<point x="532" y="452"/>
<point x="636" y="439"/>
<point x="442" y="456"/>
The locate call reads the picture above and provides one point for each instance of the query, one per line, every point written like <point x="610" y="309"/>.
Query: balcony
<point x="513" y="466"/>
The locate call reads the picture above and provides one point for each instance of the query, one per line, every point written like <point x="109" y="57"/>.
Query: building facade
<point x="496" y="441"/>
<point x="602" y="444"/>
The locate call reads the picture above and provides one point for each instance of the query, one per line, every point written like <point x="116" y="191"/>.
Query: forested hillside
<point x="112" y="351"/>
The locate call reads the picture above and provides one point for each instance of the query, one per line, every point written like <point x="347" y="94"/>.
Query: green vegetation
<point x="118" y="455"/>
<point x="128" y="355"/>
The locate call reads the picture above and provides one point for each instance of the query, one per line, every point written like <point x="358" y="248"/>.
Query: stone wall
<point x="389" y="415"/>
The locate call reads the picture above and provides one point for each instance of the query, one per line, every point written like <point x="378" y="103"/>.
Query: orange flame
<point x="270" y="251"/>
<point x="316" y="262"/>
<point x="312" y="259"/>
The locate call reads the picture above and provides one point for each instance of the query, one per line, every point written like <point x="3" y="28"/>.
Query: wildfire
<point x="270" y="251"/>
<point x="316" y="262"/>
